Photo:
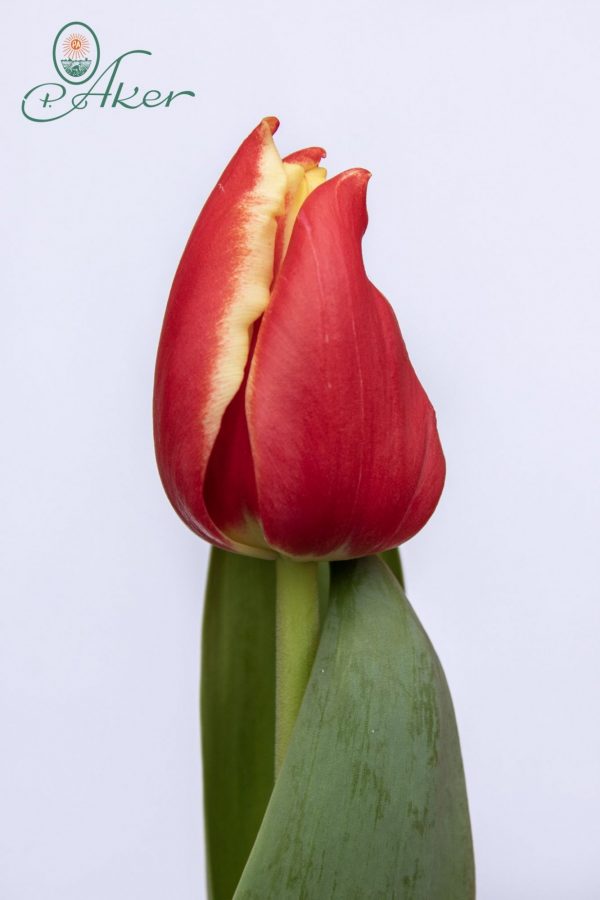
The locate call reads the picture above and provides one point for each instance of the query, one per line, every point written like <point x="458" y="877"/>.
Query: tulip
<point x="288" y="418"/>
<point x="290" y="426"/>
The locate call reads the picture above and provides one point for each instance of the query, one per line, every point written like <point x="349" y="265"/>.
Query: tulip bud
<point x="287" y="416"/>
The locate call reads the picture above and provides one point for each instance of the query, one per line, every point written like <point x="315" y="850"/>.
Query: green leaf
<point x="371" y="800"/>
<point x="238" y="711"/>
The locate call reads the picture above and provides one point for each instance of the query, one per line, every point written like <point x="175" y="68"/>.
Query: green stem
<point x="297" y="639"/>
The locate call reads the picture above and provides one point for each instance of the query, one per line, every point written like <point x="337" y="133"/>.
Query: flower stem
<point x="297" y="639"/>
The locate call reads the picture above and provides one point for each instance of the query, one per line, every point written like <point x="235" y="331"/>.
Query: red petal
<point x="345" y="447"/>
<point x="221" y="287"/>
<point x="307" y="158"/>
<point x="229" y="483"/>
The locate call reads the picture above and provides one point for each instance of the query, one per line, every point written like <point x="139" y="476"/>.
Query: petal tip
<point x="350" y="188"/>
<point x="309" y="157"/>
<point x="359" y="174"/>
<point x="272" y="123"/>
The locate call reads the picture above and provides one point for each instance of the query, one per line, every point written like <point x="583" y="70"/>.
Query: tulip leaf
<point x="371" y="799"/>
<point x="238" y="711"/>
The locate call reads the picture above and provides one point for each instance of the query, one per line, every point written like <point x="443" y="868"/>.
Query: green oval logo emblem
<point x="76" y="52"/>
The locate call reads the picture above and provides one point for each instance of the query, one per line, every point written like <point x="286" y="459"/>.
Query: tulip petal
<point x="344" y="441"/>
<point x="229" y="483"/>
<point x="307" y="158"/>
<point x="303" y="174"/>
<point x="221" y="287"/>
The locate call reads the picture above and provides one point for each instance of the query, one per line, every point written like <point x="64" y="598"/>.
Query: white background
<point x="479" y="120"/>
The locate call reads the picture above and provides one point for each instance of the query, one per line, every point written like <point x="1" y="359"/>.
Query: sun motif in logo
<point x="75" y="60"/>
<point x="75" y="46"/>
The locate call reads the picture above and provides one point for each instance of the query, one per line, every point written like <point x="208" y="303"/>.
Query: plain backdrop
<point x="479" y="121"/>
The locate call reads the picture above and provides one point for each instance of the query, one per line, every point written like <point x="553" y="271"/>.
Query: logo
<point x="76" y="57"/>
<point x="76" y="52"/>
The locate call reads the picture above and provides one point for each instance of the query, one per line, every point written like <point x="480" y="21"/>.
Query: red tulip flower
<point x="288" y="418"/>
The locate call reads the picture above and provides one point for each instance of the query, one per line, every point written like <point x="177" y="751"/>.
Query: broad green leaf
<point x="370" y="803"/>
<point x="238" y="712"/>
